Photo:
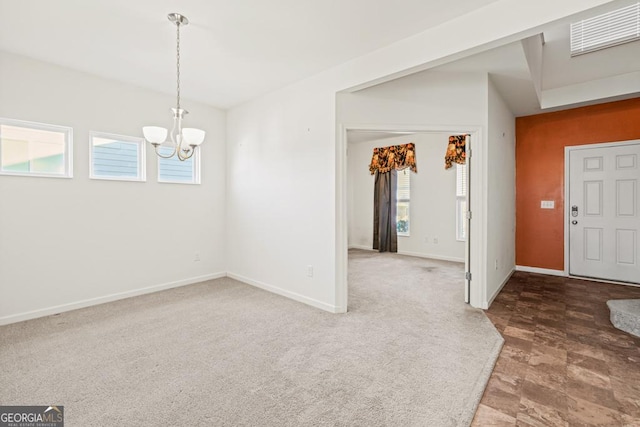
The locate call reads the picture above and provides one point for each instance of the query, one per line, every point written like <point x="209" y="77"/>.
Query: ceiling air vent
<point x="603" y="31"/>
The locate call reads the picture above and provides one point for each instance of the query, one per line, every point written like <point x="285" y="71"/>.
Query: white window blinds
<point x="175" y="171"/>
<point x="117" y="157"/>
<point x="461" y="180"/>
<point x="607" y="30"/>
<point x="403" y="185"/>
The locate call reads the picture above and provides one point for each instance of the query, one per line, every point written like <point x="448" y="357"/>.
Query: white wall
<point x="279" y="200"/>
<point x="66" y="243"/>
<point x="426" y="98"/>
<point x="432" y="101"/>
<point x="501" y="201"/>
<point x="281" y="161"/>
<point x="433" y="198"/>
<point x="296" y="128"/>
<point x="285" y="203"/>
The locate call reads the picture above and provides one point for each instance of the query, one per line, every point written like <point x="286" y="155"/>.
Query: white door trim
<point x="478" y="291"/>
<point x="567" y="208"/>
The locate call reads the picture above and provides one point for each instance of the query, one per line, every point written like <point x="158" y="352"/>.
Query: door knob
<point x="574" y="222"/>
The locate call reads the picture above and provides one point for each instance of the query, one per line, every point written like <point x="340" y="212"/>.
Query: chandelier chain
<point x="178" y="61"/>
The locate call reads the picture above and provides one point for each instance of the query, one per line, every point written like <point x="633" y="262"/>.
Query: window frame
<point x="68" y="152"/>
<point x="196" y="169"/>
<point x="407" y="201"/>
<point x="142" y="156"/>
<point x="461" y="214"/>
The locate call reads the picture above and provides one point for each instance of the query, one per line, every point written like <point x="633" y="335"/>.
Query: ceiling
<point x="509" y="71"/>
<point x="566" y="82"/>
<point x="231" y="51"/>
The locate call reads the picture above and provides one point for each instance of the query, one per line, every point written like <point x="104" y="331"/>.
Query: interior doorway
<point x="602" y="211"/>
<point x="441" y="239"/>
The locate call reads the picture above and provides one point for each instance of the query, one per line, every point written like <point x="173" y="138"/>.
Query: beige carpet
<point x="222" y="353"/>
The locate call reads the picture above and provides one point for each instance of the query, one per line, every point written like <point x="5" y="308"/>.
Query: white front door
<point x="604" y="222"/>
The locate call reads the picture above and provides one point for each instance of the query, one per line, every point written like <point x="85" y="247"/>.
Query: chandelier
<point x="183" y="141"/>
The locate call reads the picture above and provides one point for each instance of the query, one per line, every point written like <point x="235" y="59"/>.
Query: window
<point x="35" y="149"/>
<point x="403" y="193"/>
<point x="461" y="202"/>
<point x="175" y="171"/>
<point x="606" y="30"/>
<point x="117" y="157"/>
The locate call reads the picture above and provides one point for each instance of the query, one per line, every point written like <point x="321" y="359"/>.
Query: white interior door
<point x="604" y="224"/>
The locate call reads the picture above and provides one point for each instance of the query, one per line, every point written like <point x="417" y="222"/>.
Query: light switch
<point x="548" y="204"/>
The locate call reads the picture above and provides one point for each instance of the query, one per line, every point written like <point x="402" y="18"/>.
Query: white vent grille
<point x="607" y="30"/>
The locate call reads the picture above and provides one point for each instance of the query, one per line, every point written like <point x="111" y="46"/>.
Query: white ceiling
<point x="598" y="72"/>
<point x="509" y="71"/>
<point x="232" y="51"/>
<point x="235" y="51"/>
<point x="560" y="69"/>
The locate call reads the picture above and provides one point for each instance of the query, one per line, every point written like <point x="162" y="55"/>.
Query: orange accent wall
<point x="540" y="142"/>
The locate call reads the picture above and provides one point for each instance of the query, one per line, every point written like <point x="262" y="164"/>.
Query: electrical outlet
<point x="196" y="257"/>
<point x="309" y="270"/>
<point x="435" y="240"/>
<point x="496" y="265"/>
<point x="426" y="240"/>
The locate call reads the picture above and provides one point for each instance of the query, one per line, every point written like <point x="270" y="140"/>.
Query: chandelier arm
<point x="155" y="146"/>
<point x="190" y="152"/>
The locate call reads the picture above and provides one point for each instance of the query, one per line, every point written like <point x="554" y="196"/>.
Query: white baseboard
<point x="292" y="295"/>
<point x="488" y="303"/>
<point x="416" y="254"/>
<point x="537" y="270"/>
<point x="363" y="247"/>
<point x="104" y="299"/>
<point x="431" y="256"/>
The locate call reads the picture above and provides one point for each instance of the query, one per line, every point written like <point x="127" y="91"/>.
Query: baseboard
<point x="431" y="256"/>
<point x="537" y="270"/>
<point x="612" y="282"/>
<point x="415" y="254"/>
<point x="291" y="295"/>
<point x="363" y="247"/>
<point x="14" y="318"/>
<point x="488" y="303"/>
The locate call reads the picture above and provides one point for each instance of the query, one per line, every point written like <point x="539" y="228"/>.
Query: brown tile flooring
<point x="563" y="363"/>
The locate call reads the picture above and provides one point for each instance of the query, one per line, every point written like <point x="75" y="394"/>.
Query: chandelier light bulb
<point x="155" y="134"/>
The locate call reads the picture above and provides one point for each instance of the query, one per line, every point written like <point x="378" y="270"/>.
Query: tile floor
<point x="563" y="363"/>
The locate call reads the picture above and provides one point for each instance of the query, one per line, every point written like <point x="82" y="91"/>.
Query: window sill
<point x="35" y="174"/>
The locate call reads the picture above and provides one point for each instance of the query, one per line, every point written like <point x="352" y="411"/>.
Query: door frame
<point x="567" y="195"/>
<point x="476" y="288"/>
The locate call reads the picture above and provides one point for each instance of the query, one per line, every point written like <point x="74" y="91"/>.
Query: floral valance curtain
<point x="456" y="151"/>
<point x="397" y="157"/>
